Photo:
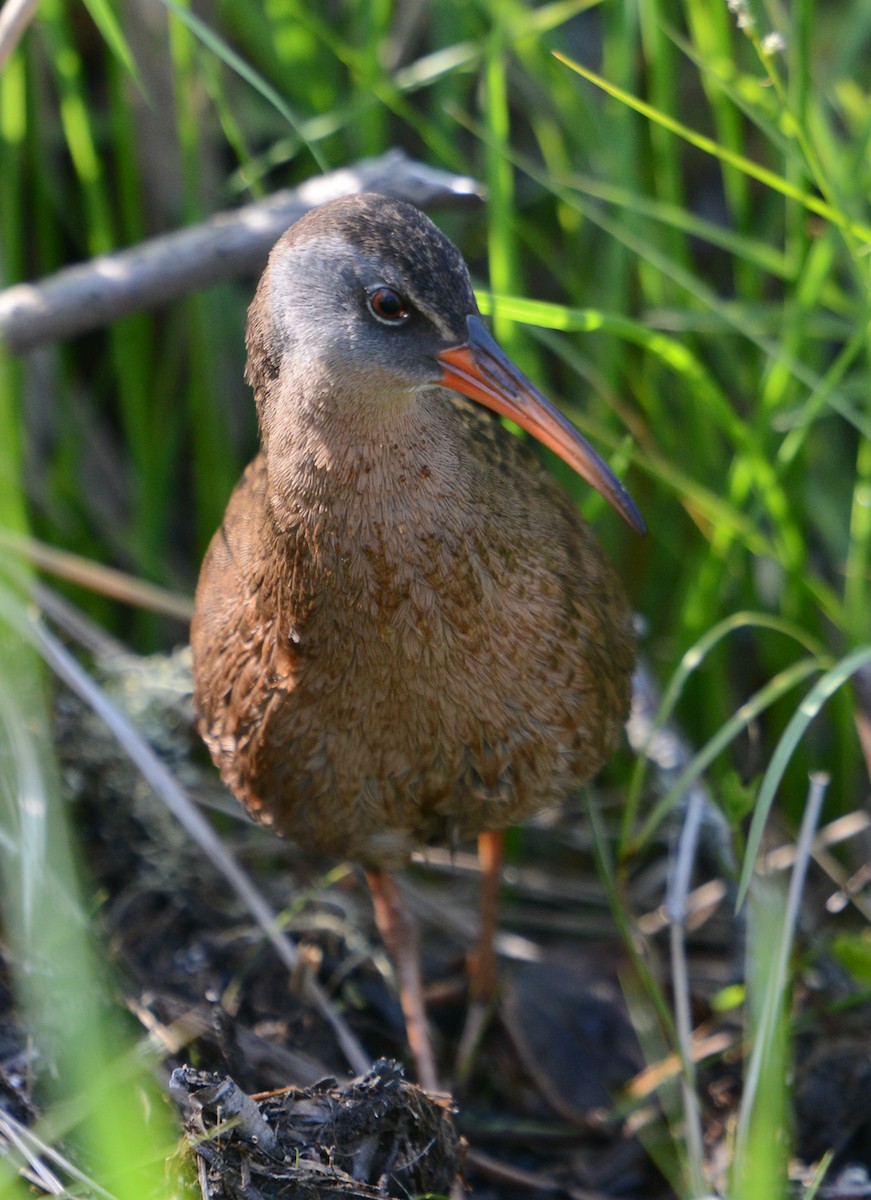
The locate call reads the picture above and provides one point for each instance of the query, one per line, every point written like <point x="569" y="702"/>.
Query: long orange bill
<point x="479" y="369"/>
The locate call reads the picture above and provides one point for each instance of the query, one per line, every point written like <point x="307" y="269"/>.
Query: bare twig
<point x="15" y="16"/>
<point x="227" y="1098"/>
<point x="97" y="577"/>
<point x="852" y="886"/>
<point x="75" y="624"/>
<point x="231" y="244"/>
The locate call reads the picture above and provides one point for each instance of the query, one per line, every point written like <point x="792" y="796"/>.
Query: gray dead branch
<point x="231" y="244"/>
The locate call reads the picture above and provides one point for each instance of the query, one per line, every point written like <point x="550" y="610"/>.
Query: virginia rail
<point x="404" y="631"/>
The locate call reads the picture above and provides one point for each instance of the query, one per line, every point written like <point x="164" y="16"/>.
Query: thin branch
<point x="97" y="577"/>
<point x="229" y="245"/>
<point x="75" y="624"/>
<point x="15" y="16"/>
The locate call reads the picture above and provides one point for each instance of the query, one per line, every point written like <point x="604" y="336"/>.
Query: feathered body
<point x="404" y="630"/>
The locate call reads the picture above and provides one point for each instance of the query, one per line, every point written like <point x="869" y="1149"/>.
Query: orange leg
<point x="399" y="933"/>
<point x="483" y="971"/>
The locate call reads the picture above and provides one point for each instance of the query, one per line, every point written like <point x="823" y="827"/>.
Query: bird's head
<point x="365" y="301"/>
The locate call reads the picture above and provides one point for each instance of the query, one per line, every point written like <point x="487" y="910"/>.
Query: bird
<point x="404" y="631"/>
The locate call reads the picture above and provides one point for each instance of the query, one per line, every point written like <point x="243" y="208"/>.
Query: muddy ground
<point x="562" y="1097"/>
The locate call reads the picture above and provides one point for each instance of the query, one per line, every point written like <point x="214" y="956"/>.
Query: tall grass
<point x="677" y="242"/>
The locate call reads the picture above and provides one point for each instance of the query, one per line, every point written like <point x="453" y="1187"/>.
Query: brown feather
<point x="433" y="655"/>
<point x="404" y="630"/>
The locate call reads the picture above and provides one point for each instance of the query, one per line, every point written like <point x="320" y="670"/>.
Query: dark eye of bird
<point x="387" y="306"/>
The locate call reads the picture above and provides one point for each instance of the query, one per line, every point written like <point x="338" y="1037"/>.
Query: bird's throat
<point x="386" y="464"/>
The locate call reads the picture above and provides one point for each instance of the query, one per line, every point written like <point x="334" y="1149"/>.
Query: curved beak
<point x="479" y="369"/>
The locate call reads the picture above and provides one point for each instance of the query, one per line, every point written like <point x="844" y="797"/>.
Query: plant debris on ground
<point x="559" y="1100"/>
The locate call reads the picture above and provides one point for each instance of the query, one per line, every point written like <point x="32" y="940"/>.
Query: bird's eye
<point x="387" y="306"/>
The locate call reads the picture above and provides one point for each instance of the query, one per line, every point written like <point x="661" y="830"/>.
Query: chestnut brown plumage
<point x="404" y="631"/>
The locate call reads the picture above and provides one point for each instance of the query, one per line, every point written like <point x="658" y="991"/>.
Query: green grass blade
<point x="750" y="168"/>
<point x="688" y="665"/>
<point x="823" y="689"/>
<point x="758" y="1148"/>
<point x="772" y="691"/>
<point x="216" y="44"/>
<point x="106" y="21"/>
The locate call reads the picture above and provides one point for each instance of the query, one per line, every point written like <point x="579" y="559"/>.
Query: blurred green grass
<point x="677" y="241"/>
<point x="723" y="273"/>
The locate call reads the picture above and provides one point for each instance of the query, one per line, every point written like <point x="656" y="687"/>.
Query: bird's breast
<point x="448" y="651"/>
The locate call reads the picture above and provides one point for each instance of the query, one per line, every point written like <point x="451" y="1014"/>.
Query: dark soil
<point x="558" y="1101"/>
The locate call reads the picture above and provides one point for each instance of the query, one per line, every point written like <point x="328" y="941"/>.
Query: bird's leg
<point x="399" y="933"/>
<point x="482" y="967"/>
<point x="483" y="972"/>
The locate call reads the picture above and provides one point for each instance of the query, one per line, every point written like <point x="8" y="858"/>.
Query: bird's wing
<point x="241" y="633"/>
